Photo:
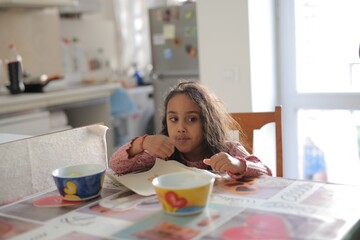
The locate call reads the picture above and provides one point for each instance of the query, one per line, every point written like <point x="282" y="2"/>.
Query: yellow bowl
<point x="184" y="193"/>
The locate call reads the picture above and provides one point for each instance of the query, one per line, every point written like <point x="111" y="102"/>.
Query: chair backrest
<point x="250" y="121"/>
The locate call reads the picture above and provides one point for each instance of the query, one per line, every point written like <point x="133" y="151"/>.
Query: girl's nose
<point x="181" y="127"/>
<point x="181" y="130"/>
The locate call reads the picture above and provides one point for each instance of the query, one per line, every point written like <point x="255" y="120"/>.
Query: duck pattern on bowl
<point x="82" y="188"/>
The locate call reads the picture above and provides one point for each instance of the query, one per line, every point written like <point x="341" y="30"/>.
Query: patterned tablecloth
<point x="261" y="208"/>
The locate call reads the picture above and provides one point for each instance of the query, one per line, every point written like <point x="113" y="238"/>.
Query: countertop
<point x="7" y="137"/>
<point x="27" y="101"/>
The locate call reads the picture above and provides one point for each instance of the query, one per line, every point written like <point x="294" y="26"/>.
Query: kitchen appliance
<point x="33" y="85"/>
<point x="14" y="67"/>
<point x="174" y="49"/>
<point x="38" y="84"/>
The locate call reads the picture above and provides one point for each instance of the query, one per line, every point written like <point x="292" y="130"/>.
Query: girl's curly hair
<point x="216" y="122"/>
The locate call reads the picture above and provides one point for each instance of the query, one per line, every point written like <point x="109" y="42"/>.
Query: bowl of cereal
<point x="184" y="193"/>
<point x="79" y="182"/>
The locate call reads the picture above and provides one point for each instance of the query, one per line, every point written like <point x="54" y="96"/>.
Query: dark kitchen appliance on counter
<point x="37" y="85"/>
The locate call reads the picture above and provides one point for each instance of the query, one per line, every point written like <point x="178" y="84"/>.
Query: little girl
<point x="195" y="130"/>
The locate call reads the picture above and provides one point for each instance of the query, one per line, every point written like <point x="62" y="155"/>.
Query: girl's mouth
<point x="182" y="139"/>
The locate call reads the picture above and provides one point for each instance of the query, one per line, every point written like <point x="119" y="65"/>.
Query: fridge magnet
<point x="158" y="39"/>
<point x="189" y="15"/>
<point x="190" y="50"/>
<point x="175" y="14"/>
<point x="166" y="16"/>
<point x="176" y="42"/>
<point x="159" y="15"/>
<point x="169" y="31"/>
<point x="167" y="53"/>
<point x="190" y="31"/>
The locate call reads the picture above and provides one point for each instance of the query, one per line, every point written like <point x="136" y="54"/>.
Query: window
<point x="327" y="45"/>
<point x="133" y="32"/>
<point x="320" y="66"/>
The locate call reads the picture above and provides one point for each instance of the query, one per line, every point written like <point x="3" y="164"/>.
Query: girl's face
<point x="184" y="126"/>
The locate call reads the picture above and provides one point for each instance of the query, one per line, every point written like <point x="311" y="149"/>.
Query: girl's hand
<point x="159" y="145"/>
<point x="222" y="162"/>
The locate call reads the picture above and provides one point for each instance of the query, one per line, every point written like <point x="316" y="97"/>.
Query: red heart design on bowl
<point x="174" y="200"/>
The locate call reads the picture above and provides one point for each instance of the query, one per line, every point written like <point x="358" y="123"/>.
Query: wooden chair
<point x="250" y="121"/>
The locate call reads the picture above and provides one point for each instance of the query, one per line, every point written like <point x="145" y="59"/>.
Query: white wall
<point x="236" y="52"/>
<point x="92" y="34"/>
<point x="224" y="55"/>
<point x="262" y="33"/>
<point x="96" y="29"/>
<point x="37" y="37"/>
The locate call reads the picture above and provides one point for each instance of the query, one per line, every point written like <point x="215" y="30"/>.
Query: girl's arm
<point x="140" y="153"/>
<point x="237" y="162"/>
<point x="252" y="166"/>
<point x="130" y="158"/>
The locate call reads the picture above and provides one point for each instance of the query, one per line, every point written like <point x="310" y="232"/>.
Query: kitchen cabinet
<point x="36" y="3"/>
<point x="83" y="6"/>
<point x="83" y="106"/>
<point x="30" y="123"/>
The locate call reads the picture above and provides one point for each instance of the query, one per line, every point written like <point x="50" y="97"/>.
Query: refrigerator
<point x="174" y="50"/>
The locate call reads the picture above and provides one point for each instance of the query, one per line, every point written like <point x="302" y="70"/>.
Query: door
<point x="320" y="88"/>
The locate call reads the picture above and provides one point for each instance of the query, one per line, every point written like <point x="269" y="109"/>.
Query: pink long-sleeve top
<point x="121" y="163"/>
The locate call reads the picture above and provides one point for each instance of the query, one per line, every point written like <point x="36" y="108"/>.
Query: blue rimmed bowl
<point x="79" y="182"/>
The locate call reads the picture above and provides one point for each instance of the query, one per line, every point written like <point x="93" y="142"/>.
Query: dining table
<point x="264" y="207"/>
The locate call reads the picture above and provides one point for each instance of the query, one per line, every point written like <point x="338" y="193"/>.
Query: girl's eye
<point x="192" y="119"/>
<point x="173" y="119"/>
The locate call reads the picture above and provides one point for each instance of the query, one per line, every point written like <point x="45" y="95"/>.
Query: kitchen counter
<point x="29" y="101"/>
<point x="6" y="137"/>
<point x="83" y="105"/>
